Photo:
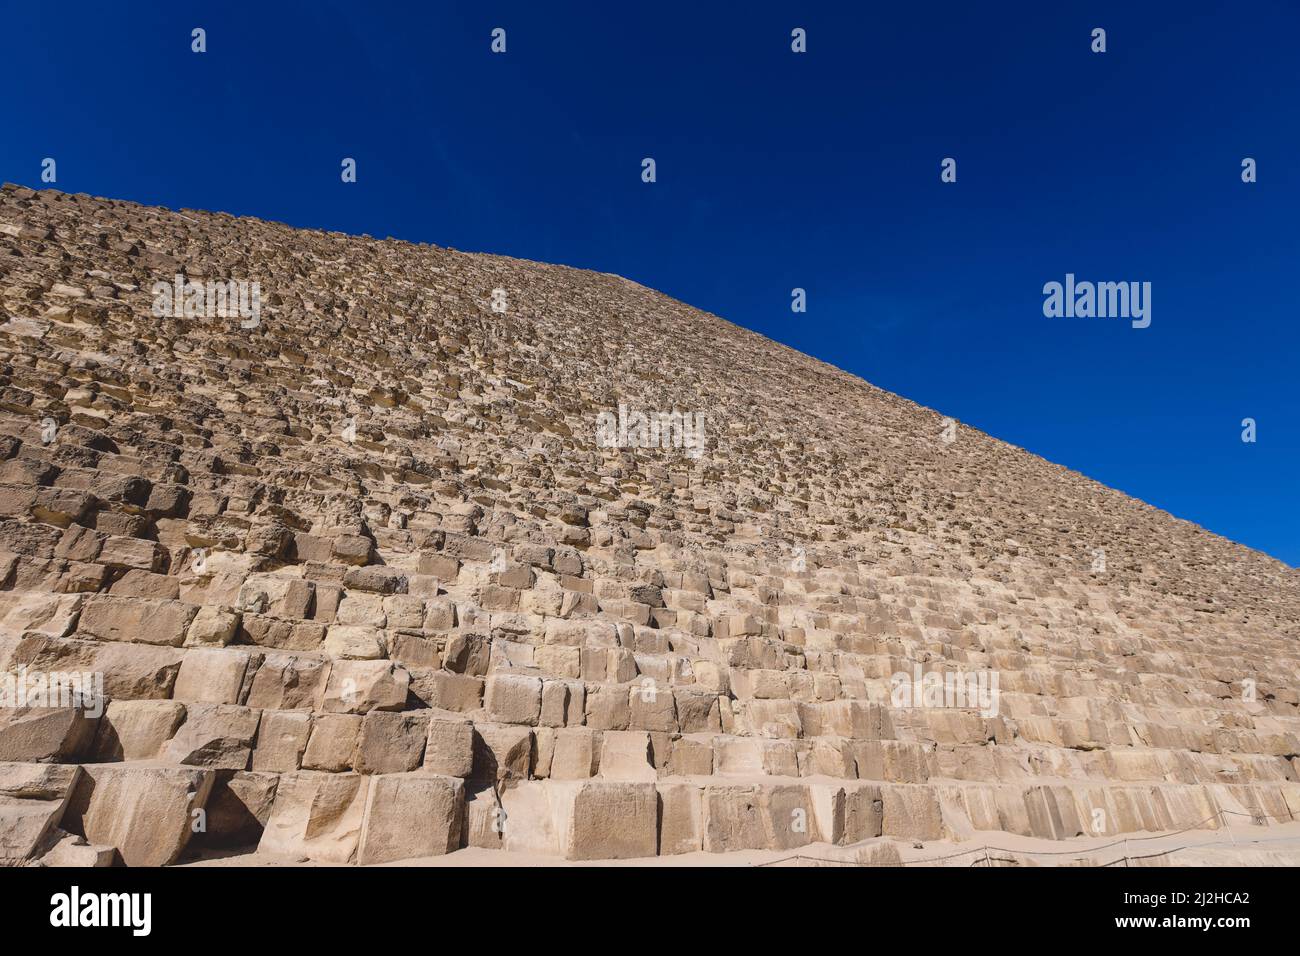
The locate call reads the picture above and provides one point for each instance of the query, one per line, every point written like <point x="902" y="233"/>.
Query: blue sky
<point x="778" y="170"/>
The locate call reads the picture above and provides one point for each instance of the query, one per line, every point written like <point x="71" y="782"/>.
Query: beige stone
<point x="513" y="698"/>
<point x="612" y="821"/>
<point x="219" y="736"/>
<point x="137" y="729"/>
<point x="576" y="754"/>
<point x="46" y="733"/>
<point x="625" y="755"/>
<point x="33" y="798"/>
<point x="146" y="812"/>
<point x="211" y="675"/>
<point x="316" y="816"/>
<point x="358" y="687"/>
<point x="136" y="619"/>
<point x="391" y="743"/>
<point x="212" y="626"/>
<point x="502" y="751"/>
<point x="289" y="681"/>
<point x="333" y="742"/>
<point x="411" y="815"/>
<point x="681" y="815"/>
<point x="449" y="749"/>
<point x="238" y="810"/>
<point x="281" y="741"/>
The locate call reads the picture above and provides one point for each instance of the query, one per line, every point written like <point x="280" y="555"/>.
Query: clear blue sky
<point x="778" y="170"/>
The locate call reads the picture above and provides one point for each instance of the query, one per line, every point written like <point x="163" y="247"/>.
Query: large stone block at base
<point x="612" y="821"/>
<point x="316" y="816"/>
<point x="32" y="801"/>
<point x="580" y="820"/>
<point x="681" y="818"/>
<point x="411" y="815"/>
<point x="768" y="816"/>
<point x="911" y="813"/>
<point x="146" y="811"/>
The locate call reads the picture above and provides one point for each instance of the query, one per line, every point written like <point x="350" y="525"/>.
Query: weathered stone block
<point x="513" y="698"/>
<point x="146" y="812"/>
<point x="411" y="815"/>
<point x="391" y="743"/>
<point x="219" y="736"/>
<point x="316" y="816"/>
<point x="135" y="619"/>
<point x="449" y="749"/>
<point x="137" y="729"/>
<point x="211" y="675"/>
<point x="333" y="742"/>
<point x="358" y="687"/>
<point x="282" y="739"/>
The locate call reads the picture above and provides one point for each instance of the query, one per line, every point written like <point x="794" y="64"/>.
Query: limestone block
<point x="691" y="756"/>
<point x="33" y="798"/>
<point x="697" y="711"/>
<point x="612" y="821"/>
<point x="358" y="687"/>
<point x="513" y="698"/>
<point x="289" y="681"/>
<point x="607" y="707"/>
<point x="49" y="615"/>
<point x="137" y="729"/>
<point x="391" y="743"/>
<point x="625" y="755"/>
<point x="146" y="812"/>
<point x="238" y="809"/>
<point x="911" y="813"/>
<point x="355" y="642"/>
<point x="576" y="754"/>
<point x="468" y="653"/>
<point x="562" y="703"/>
<point x="46" y="733"/>
<point x="449" y="749"/>
<point x="282" y="739"/>
<point x="455" y="692"/>
<point x="211" y="675"/>
<point x="131" y="671"/>
<point x="135" y="619"/>
<point x="681" y="815"/>
<point x="218" y="736"/>
<point x="316" y="816"/>
<point x="212" y="626"/>
<point x="651" y="707"/>
<point x="502" y="752"/>
<point x="72" y="851"/>
<point x="411" y="815"/>
<point x="332" y="745"/>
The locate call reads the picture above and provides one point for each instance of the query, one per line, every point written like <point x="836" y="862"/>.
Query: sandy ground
<point x="1242" y="845"/>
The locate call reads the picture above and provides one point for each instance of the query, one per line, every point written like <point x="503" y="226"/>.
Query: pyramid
<point x="343" y="550"/>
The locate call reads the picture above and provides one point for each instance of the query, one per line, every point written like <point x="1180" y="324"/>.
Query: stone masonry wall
<point x="363" y="582"/>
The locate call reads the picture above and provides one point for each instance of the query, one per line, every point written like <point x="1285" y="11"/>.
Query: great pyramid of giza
<point x="345" y="550"/>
